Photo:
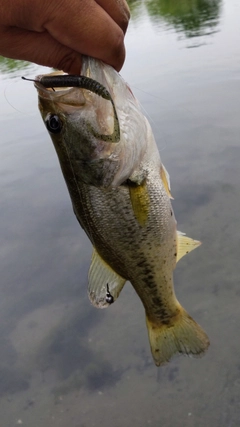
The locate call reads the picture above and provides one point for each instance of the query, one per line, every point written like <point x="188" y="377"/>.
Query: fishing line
<point x="164" y="100"/>
<point x="6" y="97"/>
<point x="154" y="122"/>
<point x="9" y="103"/>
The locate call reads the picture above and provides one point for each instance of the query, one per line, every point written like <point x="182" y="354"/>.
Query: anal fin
<point x="104" y="284"/>
<point x="185" y="245"/>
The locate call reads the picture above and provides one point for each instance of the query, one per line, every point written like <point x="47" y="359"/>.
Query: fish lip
<point x="61" y="95"/>
<point x="39" y="86"/>
<point x="48" y="92"/>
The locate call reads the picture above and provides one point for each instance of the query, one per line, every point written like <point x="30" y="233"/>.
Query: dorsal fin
<point x="185" y="245"/>
<point x="103" y="282"/>
<point x="166" y="180"/>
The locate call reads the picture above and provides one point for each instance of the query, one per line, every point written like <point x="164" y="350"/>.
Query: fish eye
<point x="53" y="123"/>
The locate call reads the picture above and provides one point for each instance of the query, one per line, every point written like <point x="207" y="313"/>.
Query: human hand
<point x="56" y="32"/>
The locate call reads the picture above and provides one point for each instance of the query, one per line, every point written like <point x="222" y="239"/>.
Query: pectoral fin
<point x="185" y="245"/>
<point x="140" y="201"/>
<point x="166" y="180"/>
<point x="104" y="284"/>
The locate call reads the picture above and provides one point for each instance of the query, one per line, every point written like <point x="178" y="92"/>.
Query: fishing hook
<point x="109" y="297"/>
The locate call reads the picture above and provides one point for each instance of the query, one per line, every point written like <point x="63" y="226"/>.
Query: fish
<point x="121" y="196"/>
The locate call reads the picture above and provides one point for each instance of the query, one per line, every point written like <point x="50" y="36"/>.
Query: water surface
<point x="63" y="362"/>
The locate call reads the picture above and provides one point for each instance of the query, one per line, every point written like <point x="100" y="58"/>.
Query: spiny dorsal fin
<point x="166" y="180"/>
<point x="185" y="244"/>
<point x="103" y="282"/>
<point x="140" y="201"/>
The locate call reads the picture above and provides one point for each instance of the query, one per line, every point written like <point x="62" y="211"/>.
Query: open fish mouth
<point x="54" y="86"/>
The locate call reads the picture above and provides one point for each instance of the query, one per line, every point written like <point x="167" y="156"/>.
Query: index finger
<point x="88" y="29"/>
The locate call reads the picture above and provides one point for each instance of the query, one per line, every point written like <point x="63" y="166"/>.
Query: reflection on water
<point x="9" y="66"/>
<point x="193" y="18"/>
<point x="12" y="381"/>
<point x="66" y="351"/>
<point x="63" y="362"/>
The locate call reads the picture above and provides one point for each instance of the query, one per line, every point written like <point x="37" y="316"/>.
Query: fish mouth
<point x="65" y="95"/>
<point x="68" y="89"/>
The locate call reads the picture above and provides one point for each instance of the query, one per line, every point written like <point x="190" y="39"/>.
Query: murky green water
<point x="63" y="362"/>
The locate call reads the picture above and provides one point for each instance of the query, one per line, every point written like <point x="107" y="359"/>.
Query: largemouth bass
<point x="120" y="193"/>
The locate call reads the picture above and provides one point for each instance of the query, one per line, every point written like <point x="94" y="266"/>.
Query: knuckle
<point x="70" y="63"/>
<point x="118" y="51"/>
<point x="125" y="16"/>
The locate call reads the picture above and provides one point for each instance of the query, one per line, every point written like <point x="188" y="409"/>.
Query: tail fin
<point x="183" y="336"/>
